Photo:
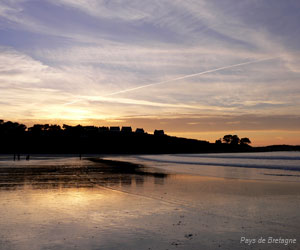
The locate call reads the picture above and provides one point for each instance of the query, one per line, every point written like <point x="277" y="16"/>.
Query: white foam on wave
<point x="257" y="160"/>
<point x="255" y="157"/>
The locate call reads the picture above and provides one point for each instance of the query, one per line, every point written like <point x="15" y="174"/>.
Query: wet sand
<point x="96" y="204"/>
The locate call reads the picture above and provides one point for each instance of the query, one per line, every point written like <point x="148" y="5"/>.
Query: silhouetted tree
<point x="245" y="141"/>
<point x="227" y="138"/>
<point x="219" y="141"/>
<point x="36" y="129"/>
<point x="231" y="139"/>
<point x="54" y="127"/>
<point x="13" y="128"/>
<point x="235" y="140"/>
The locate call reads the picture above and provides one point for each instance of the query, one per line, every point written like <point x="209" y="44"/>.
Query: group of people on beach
<point x="18" y="157"/>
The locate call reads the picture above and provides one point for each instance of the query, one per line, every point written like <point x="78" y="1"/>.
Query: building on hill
<point x="126" y="129"/>
<point x="159" y="132"/>
<point x="114" y="129"/>
<point x="140" y="131"/>
<point x="90" y="128"/>
<point x="103" y="129"/>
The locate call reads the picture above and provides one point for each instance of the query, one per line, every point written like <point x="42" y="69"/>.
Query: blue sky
<point x="70" y="61"/>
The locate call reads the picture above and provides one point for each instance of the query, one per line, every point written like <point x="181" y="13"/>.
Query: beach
<point x="67" y="203"/>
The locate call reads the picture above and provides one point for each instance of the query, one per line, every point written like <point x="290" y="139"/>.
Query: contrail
<point x="189" y="76"/>
<point x="180" y="78"/>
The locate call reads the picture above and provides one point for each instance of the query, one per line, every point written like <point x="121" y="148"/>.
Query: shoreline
<point x="137" y="164"/>
<point x="100" y="165"/>
<point x="259" y="149"/>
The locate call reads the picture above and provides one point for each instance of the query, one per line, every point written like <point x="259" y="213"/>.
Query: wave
<point x="292" y="158"/>
<point x="240" y="165"/>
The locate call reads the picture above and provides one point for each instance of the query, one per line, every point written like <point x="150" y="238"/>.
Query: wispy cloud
<point x="126" y="10"/>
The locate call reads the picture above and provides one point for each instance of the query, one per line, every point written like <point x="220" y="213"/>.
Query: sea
<point x="279" y="166"/>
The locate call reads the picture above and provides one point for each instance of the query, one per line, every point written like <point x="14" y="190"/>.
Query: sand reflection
<point x="102" y="205"/>
<point x="91" y="173"/>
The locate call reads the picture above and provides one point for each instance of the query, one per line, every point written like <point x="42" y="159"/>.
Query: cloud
<point x="125" y="10"/>
<point x="78" y="52"/>
<point x="64" y="85"/>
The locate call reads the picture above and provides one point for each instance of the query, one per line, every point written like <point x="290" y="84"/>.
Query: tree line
<point x="52" y="138"/>
<point x="234" y="140"/>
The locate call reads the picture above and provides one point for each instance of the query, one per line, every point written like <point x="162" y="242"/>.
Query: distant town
<point x="114" y="129"/>
<point x="15" y="127"/>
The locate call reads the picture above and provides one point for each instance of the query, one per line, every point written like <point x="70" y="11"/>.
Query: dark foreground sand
<point x="109" y="205"/>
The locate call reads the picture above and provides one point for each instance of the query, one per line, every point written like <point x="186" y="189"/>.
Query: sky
<point x="195" y="68"/>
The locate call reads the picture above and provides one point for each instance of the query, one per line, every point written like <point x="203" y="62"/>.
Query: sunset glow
<point x="197" y="69"/>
